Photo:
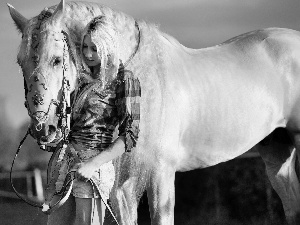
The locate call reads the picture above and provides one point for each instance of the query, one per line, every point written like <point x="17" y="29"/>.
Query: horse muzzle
<point x="45" y="133"/>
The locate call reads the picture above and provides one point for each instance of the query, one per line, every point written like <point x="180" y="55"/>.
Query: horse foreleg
<point x="124" y="202"/>
<point x="123" y="196"/>
<point x="280" y="162"/>
<point x="161" y="196"/>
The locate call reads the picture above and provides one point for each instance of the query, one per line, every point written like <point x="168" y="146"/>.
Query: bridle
<point x="63" y="113"/>
<point x="63" y="109"/>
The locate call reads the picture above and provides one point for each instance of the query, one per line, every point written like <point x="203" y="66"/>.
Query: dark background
<point x="235" y="192"/>
<point x="232" y="193"/>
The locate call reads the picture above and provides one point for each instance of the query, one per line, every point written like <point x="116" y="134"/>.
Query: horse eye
<point x="56" y="61"/>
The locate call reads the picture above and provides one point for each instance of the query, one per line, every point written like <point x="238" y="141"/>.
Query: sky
<point x="194" y="23"/>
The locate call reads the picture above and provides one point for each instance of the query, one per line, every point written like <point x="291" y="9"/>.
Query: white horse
<point x="199" y="107"/>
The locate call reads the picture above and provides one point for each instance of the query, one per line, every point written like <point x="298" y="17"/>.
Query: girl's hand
<point x="85" y="170"/>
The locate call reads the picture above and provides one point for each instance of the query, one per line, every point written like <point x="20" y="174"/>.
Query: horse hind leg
<point x="297" y="163"/>
<point x="295" y="176"/>
<point x="288" y="176"/>
<point x="280" y="160"/>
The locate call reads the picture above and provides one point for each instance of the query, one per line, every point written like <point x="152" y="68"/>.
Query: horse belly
<point x="223" y="119"/>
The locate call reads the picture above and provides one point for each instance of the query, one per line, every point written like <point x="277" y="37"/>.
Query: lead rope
<point x="95" y="186"/>
<point x="10" y="174"/>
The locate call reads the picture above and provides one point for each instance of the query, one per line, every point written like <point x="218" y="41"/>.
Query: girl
<point x="107" y="96"/>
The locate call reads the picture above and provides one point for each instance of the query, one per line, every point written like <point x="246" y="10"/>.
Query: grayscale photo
<point x="134" y="112"/>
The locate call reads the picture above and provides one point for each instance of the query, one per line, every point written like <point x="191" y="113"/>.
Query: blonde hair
<point x="105" y="37"/>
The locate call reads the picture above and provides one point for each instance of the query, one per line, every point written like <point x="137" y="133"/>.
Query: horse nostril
<point x="51" y="129"/>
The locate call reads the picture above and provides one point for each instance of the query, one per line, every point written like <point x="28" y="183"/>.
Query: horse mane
<point x="74" y="27"/>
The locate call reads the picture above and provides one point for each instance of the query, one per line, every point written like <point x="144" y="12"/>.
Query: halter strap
<point x="137" y="47"/>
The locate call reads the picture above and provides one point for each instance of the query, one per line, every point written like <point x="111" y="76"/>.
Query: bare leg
<point x="161" y="196"/>
<point x="65" y="215"/>
<point x="280" y="162"/>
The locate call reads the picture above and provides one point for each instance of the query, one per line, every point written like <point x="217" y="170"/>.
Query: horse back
<point x="223" y="100"/>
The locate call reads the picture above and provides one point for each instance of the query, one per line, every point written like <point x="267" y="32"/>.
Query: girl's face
<point x="89" y="50"/>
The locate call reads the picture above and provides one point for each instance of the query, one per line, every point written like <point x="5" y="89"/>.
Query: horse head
<point x="49" y="70"/>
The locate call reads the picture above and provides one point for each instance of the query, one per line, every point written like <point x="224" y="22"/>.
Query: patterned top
<point x="98" y="111"/>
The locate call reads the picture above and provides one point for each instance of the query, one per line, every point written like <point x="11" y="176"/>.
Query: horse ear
<point x="59" y="12"/>
<point x="19" y="20"/>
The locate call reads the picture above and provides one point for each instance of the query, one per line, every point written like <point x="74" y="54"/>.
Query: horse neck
<point x="78" y="14"/>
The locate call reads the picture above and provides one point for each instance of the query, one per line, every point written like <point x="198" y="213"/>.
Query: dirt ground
<point x="15" y="212"/>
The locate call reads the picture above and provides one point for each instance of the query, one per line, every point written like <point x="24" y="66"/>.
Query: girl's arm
<point x="86" y="169"/>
